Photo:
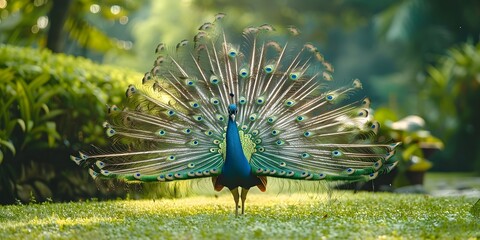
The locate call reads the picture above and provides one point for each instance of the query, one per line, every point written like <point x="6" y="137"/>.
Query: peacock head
<point x="232" y="110"/>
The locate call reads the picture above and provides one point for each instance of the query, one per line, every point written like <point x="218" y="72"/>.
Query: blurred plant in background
<point x="46" y="23"/>
<point x="51" y="104"/>
<point x="417" y="147"/>
<point x="449" y="100"/>
<point x="436" y="46"/>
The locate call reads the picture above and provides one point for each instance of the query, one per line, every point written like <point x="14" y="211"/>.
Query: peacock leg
<point x="244" y="197"/>
<point x="235" y="198"/>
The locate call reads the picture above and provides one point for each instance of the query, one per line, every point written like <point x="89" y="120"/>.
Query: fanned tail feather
<point x="294" y="122"/>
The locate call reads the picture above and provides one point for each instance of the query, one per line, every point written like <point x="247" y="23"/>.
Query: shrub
<point x="51" y="105"/>
<point x="449" y="100"/>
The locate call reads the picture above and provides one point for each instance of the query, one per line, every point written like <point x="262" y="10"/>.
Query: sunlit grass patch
<point x="340" y="215"/>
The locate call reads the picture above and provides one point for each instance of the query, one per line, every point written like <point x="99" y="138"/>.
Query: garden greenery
<point x="50" y="101"/>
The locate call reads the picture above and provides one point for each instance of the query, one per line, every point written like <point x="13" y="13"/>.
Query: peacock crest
<point x="240" y="113"/>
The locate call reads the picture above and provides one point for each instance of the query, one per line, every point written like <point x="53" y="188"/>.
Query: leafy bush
<point x="449" y="97"/>
<point x="50" y="104"/>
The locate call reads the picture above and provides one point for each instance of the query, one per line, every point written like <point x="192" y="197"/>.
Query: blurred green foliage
<point x="50" y="101"/>
<point x="449" y="100"/>
<point x="86" y="22"/>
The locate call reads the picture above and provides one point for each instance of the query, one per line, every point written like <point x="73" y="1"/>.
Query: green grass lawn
<point x="339" y="215"/>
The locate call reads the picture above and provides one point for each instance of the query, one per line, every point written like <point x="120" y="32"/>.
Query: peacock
<point x="238" y="114"/>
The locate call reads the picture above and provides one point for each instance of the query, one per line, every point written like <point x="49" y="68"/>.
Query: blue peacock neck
<point x="236" y="164"/>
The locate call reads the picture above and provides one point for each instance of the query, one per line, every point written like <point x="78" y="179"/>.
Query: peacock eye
<point x="194" y="104"/>
<point x="100" y="164"/>
<point x="357" y="84"/>
<point x="366" y="102"/>
<point x="171" y="157"/>
<point x="232" y="53"/>
<point x="329" y="97"/>
<point x="189" y="82"/>
<point x="182" y="43"/>
<point x="242" y="100"/>
<point x="243" y="73"/>
<point x="252" y="117"/>
<point x="305" y="155"/>
<point x="216" y="141"/>
<point x="161" y="132"/>
<point x="377" y="164"/>
<point x="274" y="132"/>
<point x="375" y="127"/>
<point x="114" y="108"/>
<point x="214" y="79"/>
<point x="363" y="113"/>
<point x="187" y="131"/>
<point x="269" y="68"/>
<point x="159" y="60"/>
<point x="170" y="113"/>
<point x="260" y="100"/>
<point x="300" y="118"/>
<point x="198" y="118"/>
<point x="307" y="134"/>
<point x="373" y="175"/>
<point x="289" y="102"/>
<point x="205" y="26"/>
<point x="294" y="76"/>
<point x="110" y="132"/>
<point x="130" y="91"/>
<point x="160" y="47"/>
<point x="220" y="118"/>
<point x="336" y="153"/>
<point x="214" y="101"/>
<point x="271" y="119"/>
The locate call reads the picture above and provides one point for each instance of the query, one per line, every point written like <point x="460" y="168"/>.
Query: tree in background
<point x="53" y="23"/>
